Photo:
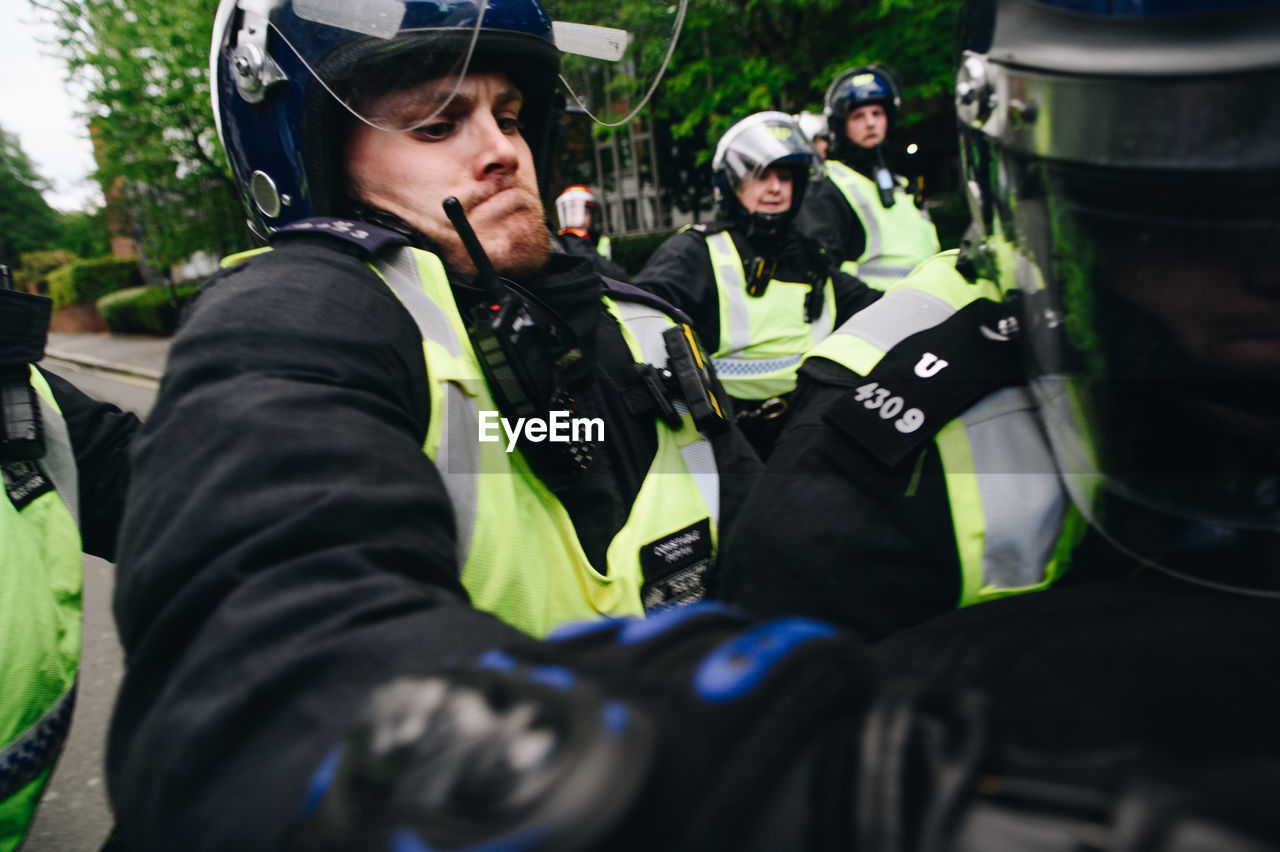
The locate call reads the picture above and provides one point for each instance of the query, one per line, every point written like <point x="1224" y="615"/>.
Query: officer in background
<point x="582" y="230"/>
<point x="317" y="506"/>
<point x="816" y="130"/>
<point x="64" y="459"/>
<point x="760" y="293"/>
<point x="1130" y="268"/>
<point x="864" y="215"/>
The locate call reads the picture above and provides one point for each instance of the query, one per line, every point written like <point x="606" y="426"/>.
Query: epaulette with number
<point x="371" y="239"/>
<point x="929" y="379"/>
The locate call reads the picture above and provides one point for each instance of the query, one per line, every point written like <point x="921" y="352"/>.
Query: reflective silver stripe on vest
<point x="879" y="270"/>
<point x="34" y="750"/>
<point x="866" y="206"/>
<point x="459" y="457"/>
<point x="896" y="316"/>
<point x="1023" y="500"/>
<point x="401" y="273"/>
<point x="647" y="325"/>
<point x="59" y="462"/>
<point x="737" y="336"/>
<point x="734" y="368"/>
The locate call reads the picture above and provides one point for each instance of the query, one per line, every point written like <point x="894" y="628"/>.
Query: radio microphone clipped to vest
<point x="527" y="360"/>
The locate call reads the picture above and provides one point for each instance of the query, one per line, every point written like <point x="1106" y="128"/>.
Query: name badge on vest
<point x="24" y="481"/>
<point x="675" y="567"/>
<point x="929" y="379"/>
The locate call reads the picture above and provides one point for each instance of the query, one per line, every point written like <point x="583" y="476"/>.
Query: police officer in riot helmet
<point x="403" y="430"/>
<point x="582" y="229"/>
<point x="759" y="292"/>
<point x="1132" y="715"/>
<point x="863" y="214"/>
<point x="1138" y="427"/>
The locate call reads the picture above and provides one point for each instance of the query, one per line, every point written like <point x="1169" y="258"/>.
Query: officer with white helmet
<point x="582" y="229"/>
<point x="814" y="126"/>
<point x="759" y="292"/>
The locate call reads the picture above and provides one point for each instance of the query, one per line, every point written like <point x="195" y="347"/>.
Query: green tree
<point x="84" y="232"/>
<point x="27" y="222"/>
<point x="143" y="65"/>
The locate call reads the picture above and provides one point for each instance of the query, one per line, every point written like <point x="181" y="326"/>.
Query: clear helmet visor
<point x="762" y="141"/>
<point x="1152" y="310"/>
<point x="361" y="50"/>
<point x="614" y="54"/>
<point x="574" y="210"/>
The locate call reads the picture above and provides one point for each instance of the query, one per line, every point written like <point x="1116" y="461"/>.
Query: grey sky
<point x="36" y="105"/>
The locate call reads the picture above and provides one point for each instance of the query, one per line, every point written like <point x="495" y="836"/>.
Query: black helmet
<point x="750" y="147"/>
<point x="283" y="72"/>
<point x="1124" y="165"/>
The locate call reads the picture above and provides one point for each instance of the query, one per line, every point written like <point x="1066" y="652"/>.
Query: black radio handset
<point x="884" y="178"/>
<point x="525" y="360"/>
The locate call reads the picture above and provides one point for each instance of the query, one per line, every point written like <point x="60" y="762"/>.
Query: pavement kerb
<point x="103" y="364"/>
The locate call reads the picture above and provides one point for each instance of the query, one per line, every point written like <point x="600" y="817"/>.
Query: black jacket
<point x="583" y="247"/>
<point x="827" y="217"/>
<point x="289" y="546"/>
<point x="680" y="272"/>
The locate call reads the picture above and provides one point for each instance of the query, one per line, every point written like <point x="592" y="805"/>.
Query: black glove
<point x="688" y="730"/>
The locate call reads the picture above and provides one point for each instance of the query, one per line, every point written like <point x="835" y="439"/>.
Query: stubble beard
<point x="516" y="239"/>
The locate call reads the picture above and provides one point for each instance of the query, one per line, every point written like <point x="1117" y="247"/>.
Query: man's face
<point x="1217" y="292"/>
<point x="472" y="150"/>
<point x="769" y="193"/>
<point x="867" y="125"/>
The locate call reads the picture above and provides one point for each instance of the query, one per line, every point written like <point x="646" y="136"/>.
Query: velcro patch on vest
<point x="929" y="379"/>
<point x="675" y="567"/>
<point x="24" y="481"/>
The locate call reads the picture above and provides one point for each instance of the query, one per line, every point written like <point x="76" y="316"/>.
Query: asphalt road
<point x="74" y="816"/>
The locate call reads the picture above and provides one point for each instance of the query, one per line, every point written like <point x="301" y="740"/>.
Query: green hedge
<point x="90" y="280"/>
<point x="145" y="310"/>
<point x="631" y="253"/>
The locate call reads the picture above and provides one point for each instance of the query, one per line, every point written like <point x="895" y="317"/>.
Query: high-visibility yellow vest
<point x="898" y="238"/>
<point x="519" y="551"/>
<point x="762" y="338"/>
<point x="1015" y="526"/>
<point x="41" y="580"/>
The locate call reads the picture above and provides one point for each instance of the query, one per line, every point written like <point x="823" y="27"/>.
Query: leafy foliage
<point x="89" y="280"/>
<point x="144" y="67"/>
<point x="145" y="310"/>
<point x="32" y="274"/>
<point x="27" y="222"/>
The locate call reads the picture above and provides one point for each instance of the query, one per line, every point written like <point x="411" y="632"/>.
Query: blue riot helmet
<point x="1124" y="165"/>
<point x="288" y="76"/>
<point x="746" y="151"/>
<point x="856" y="87"/>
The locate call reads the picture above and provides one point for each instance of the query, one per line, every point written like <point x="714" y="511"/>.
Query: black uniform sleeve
<point x="852" y="295"/>
<point x="826" y="216"/>
<point x="830" y="532"/>
<point x="680" y="272"/>
<point x="287" y="547"/>
<point x="100" y="437"/>
<point x="583" y="247"/>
